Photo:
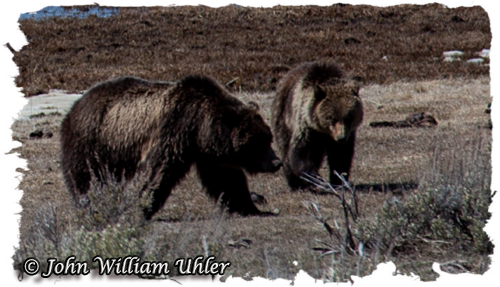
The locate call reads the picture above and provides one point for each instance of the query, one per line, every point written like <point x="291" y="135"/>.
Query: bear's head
<point x="252" y="139"/>
<point x="337" y="110"/>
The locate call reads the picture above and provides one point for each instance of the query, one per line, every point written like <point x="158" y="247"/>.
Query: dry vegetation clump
<point x="445" y="215"/>
<point x="251" y="47"/>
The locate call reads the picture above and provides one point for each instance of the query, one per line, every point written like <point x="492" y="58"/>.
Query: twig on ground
<point x="452" y="266"/>
<point x="432" y="241"/>
<point x="349" y="240"/>
<point x="319" y="183"/>
<point x="348" y="234"/>
<point x="354" y="199"/>
<point x="317" y="215"/>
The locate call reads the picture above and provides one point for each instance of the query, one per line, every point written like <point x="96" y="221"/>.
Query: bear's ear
<point x="319" y="93"/>
<point x="253" y="106"/>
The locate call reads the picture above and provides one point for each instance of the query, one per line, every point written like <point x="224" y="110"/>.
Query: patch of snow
<point x="475" y="61"/>
<point x="451" y="59"/>
<point x="485" y="53"/>
<point x="452" y="53"/>
<point x="55" y="101"/>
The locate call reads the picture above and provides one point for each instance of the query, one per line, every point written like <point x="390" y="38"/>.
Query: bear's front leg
<point x="230" y="185"/>
<point x="159" y="190"/>
<point x="161" y="182"/>
<point x="306" y="156"/>
<point x="340" y="156"/>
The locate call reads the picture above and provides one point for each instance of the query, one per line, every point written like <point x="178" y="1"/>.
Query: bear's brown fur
<point x="129" y="124"/>
<point x="316" y="112"/>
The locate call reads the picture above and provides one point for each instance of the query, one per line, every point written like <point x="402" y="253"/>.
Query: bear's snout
<point x="274" y="163"/>
<point x="277" y="164"/>
<point x="338" y="132"/>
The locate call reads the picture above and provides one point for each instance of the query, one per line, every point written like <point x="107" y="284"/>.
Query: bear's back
<point x="100" y="97"/>
<point x="206" y="90"/>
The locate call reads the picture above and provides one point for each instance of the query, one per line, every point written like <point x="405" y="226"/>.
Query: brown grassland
<point x="423" y="193"/>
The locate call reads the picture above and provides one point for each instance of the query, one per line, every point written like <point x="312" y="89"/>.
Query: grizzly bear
<point x="315" y="113"/>
<point x="126" y="125"/>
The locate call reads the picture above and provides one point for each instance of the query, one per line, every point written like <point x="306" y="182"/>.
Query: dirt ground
<point x="423" y="193"/>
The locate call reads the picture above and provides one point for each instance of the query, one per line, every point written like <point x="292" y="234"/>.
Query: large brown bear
<point x="129" y="124"/>
<point x="315" y="113"/>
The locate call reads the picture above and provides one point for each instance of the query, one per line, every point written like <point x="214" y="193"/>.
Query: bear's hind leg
<point x="77" y="180"/>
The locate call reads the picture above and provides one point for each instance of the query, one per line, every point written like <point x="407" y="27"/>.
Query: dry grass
<point x="412" y="184"/>
<point x="256" y="45"/>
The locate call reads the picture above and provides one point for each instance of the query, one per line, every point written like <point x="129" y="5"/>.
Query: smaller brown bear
<point x="126" y="125"/>
<point x="315" y="113"/>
